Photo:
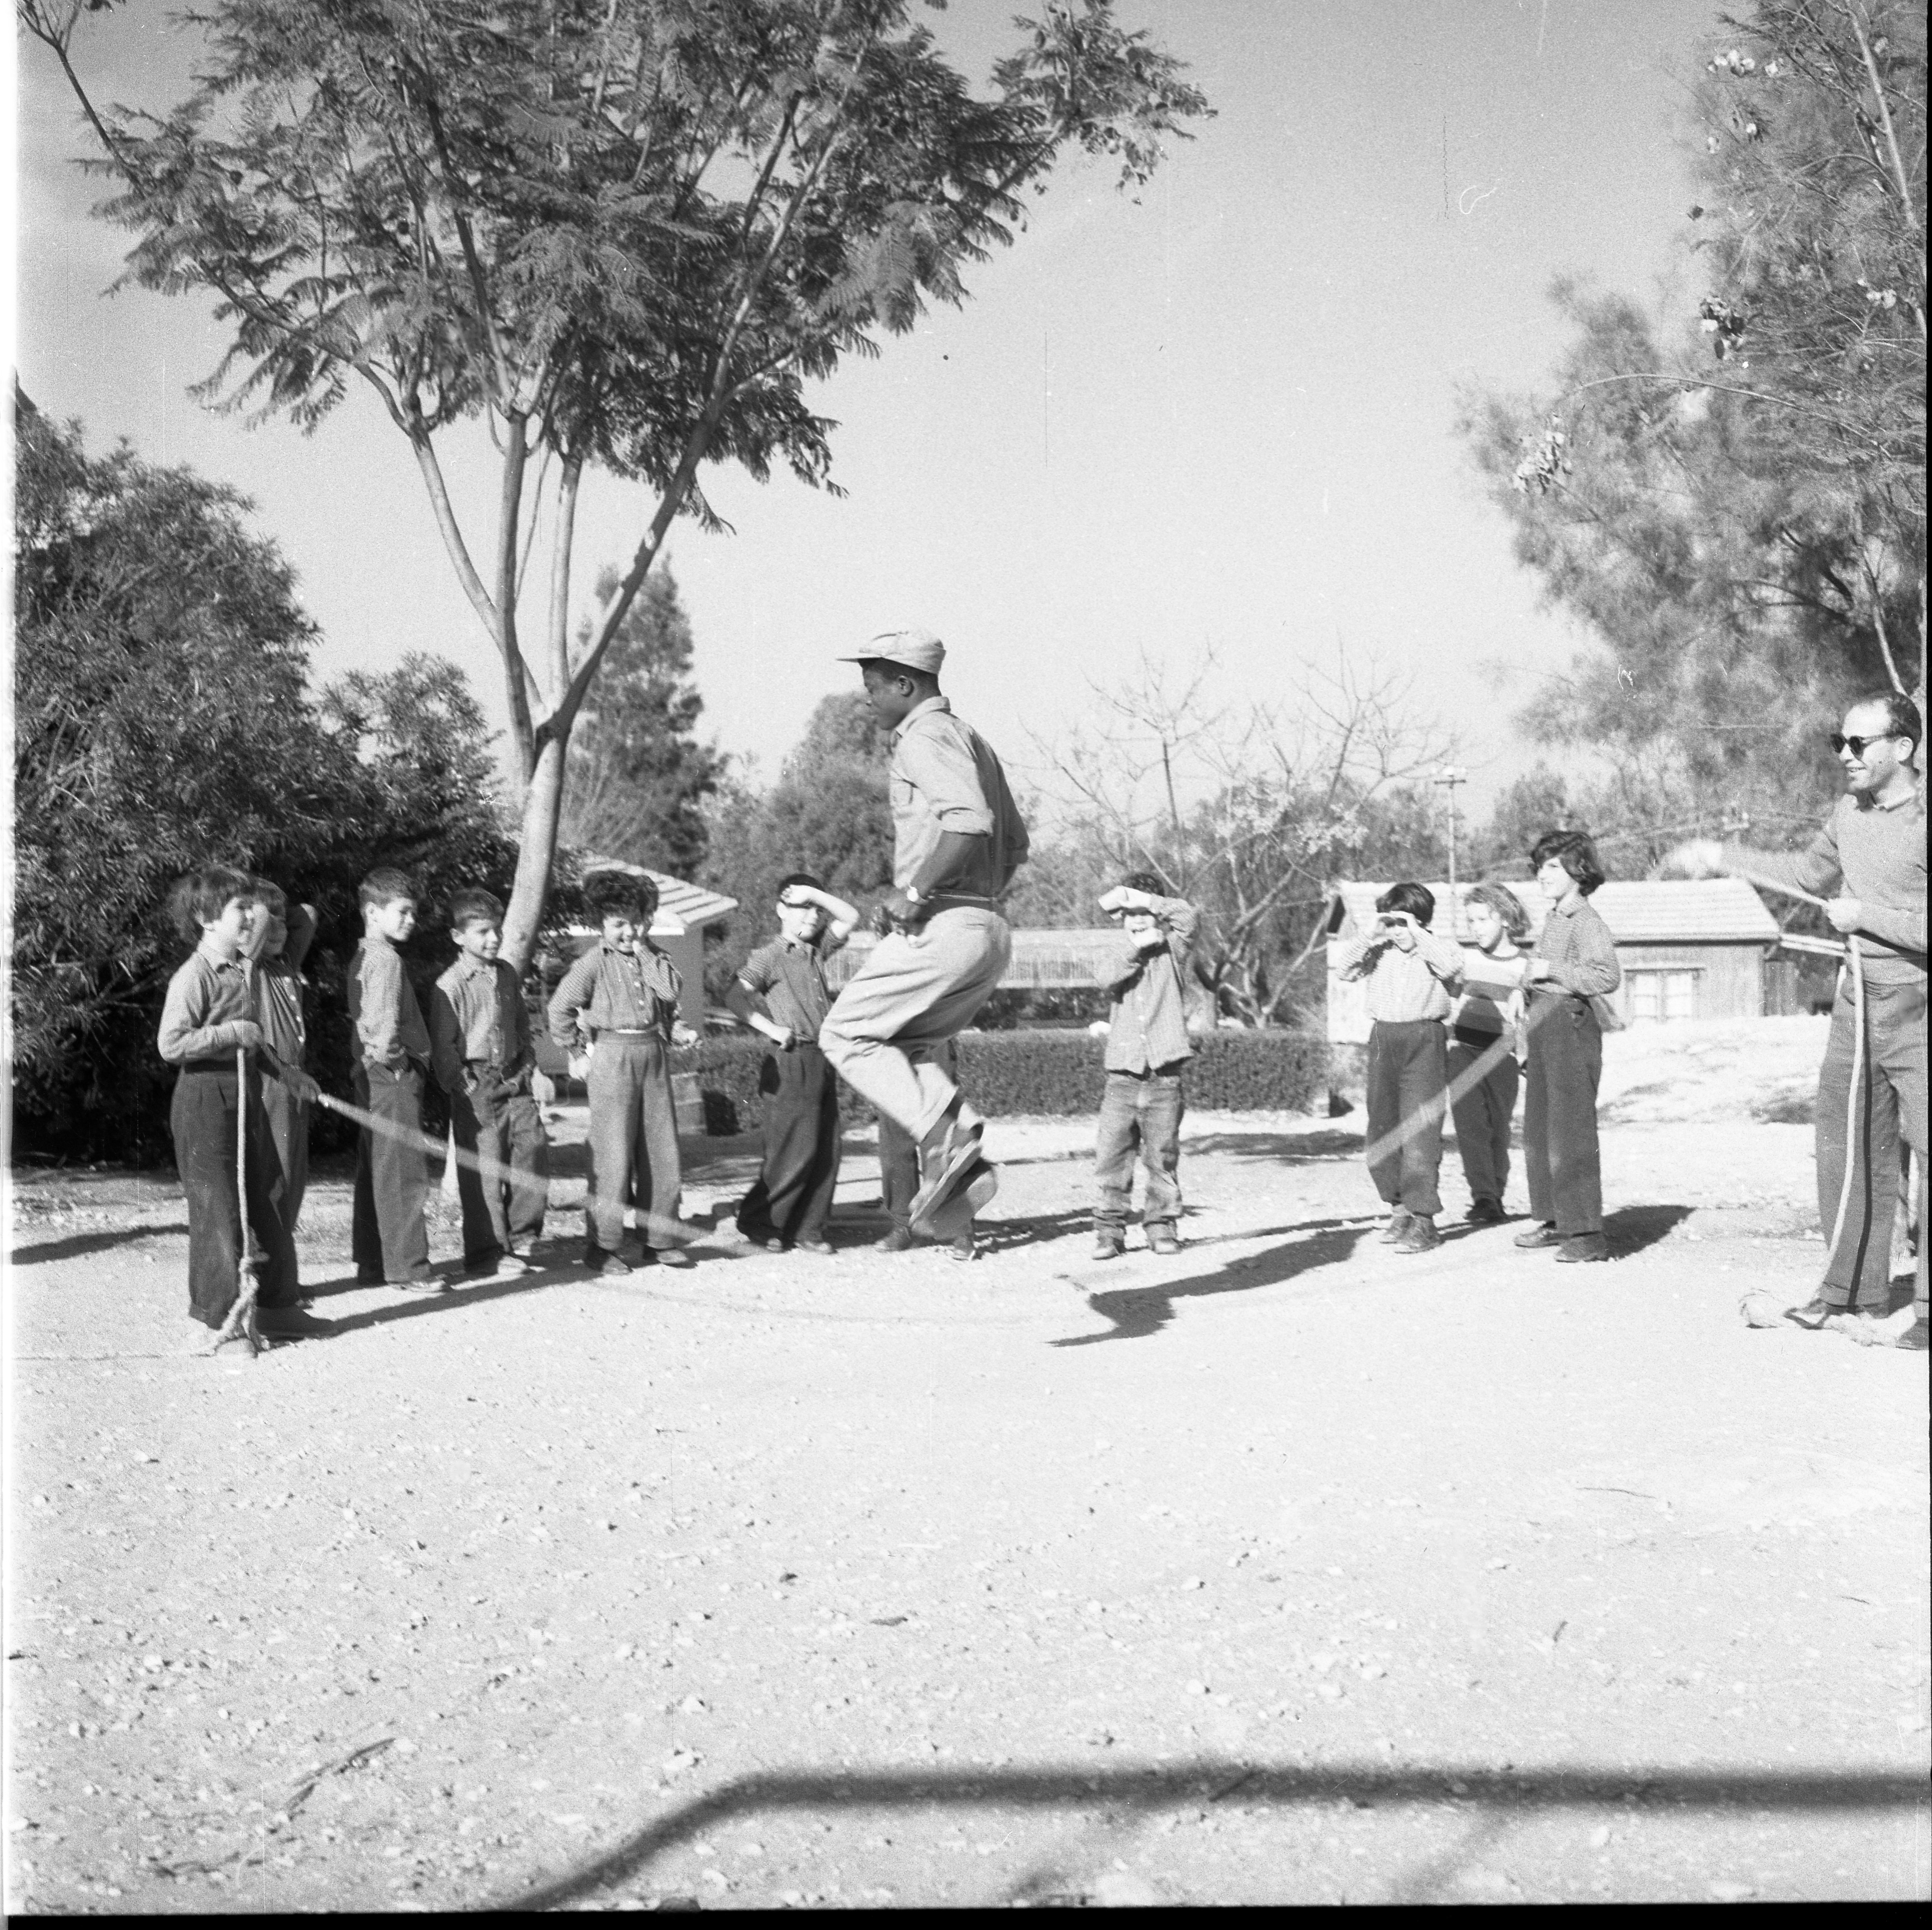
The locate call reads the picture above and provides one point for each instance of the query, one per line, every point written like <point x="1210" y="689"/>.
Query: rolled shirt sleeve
<point x="1354" y="957"/>
<point x="573" y="992"/>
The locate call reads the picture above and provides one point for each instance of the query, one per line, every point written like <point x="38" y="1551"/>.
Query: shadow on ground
<point x="76" y="1245"/>
<point x="1289" y="1149"/>
<point x="1491" y="1800"/>
<point x="1630" y="1228"/>
<point x="1138" y="1311"/>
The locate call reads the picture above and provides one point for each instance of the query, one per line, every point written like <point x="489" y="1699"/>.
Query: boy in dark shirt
<point x="781" y="992"/>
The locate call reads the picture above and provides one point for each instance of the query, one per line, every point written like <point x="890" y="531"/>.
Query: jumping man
<point x="957" y="841"/>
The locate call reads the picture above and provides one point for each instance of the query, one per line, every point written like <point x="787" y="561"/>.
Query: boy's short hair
<point x="1418" y="901"/>
<point x="384" y="886"/>
<point x="269" y="893"/>
<point x="197" y="899"/>
<point x="474" y="906"/>
<point x="620" y="895"/>
<point x="1144" y="881"/>
<point x="1578" y="854"/>
<point x="1505" y="904"/>
<point x="804" y="878"/>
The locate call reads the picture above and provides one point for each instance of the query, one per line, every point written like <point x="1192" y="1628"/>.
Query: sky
<point x="1220" y="416"/>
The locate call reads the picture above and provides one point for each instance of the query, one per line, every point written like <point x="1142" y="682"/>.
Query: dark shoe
<point x="1485" y="1212"/>
<point x="1582" y="1247"/>
<point x="813" y="1246"/>
<point x="671" y="1256"/>
<point x="423" y="1283"/>
<point x="290" y="1323"/>
<point x="1913" y="1338"/>
<point x="599" y="1261"/>
<point x="949" y="1211"/>
<point x="1543" y="1233"/>
<point x="1398" y="1224"/>
<point x="897" y="1240"/>
<point x="1161" y="1238"/>
<point x="943" y="1170"/>
<point x="965" y="1248"/>
<point x="1419" y="1235"/>
<point x="1109" y="1243"/>
<point x="511" y="1265"/>
<point x="1815" y="1312"/>
<point x="767" y="1237"/>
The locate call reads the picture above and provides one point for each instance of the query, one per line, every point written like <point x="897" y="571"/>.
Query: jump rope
<point x="242" y="1316"/>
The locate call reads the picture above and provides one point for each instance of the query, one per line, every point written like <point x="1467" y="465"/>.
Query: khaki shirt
<point x="945" y="777"/>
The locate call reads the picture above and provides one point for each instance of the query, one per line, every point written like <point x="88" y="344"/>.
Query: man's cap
<point x="916" y="649"/>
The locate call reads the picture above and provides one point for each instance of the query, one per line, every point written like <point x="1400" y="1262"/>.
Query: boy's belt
<point x="629" y="1032"/>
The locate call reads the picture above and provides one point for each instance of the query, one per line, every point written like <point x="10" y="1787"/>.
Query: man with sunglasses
<point x="1868" y="861"/>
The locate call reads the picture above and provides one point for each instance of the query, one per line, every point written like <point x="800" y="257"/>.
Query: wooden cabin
<point x="1689" y="948"/>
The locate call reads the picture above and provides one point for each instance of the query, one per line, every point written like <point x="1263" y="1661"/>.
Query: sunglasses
<point x="1856" y="745"/>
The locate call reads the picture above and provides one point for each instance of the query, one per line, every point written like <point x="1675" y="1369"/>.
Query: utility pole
<point x="1449" y="777"/>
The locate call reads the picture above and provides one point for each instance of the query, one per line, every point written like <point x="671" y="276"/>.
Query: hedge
<point x="1041" y="1071"/>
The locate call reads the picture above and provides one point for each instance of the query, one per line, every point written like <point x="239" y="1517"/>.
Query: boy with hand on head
<point x="390" y="1046"/>
<point x="615" y="1014"/>
<point x="1148" y="1052"/>
<point x="1482" y="1028"/>
<point x="205" y="1021"/>
<point x="781" y="992"/>
<point x="1409" y="969"/>
<point x="480" y="1045"/>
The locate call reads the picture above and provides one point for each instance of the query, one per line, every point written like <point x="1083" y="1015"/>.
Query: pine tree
<point x="638" y="777"/>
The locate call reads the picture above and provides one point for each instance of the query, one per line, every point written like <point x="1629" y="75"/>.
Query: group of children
<point x="1451" y="1023"/>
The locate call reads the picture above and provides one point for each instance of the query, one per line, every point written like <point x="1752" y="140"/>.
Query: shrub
<point x="1055" y="1073"/>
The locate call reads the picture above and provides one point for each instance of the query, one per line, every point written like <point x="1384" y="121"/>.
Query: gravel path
<point x="1284" y="1570"/>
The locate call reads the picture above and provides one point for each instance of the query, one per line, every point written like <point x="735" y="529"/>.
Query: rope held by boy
<point x="241" y="1324"/>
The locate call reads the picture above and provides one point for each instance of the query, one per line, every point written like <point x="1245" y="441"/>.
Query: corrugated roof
<point x="1639" y="911"/>
<point x="682" y="906"/>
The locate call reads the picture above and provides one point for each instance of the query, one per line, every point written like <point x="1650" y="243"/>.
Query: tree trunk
<point x="543" y="809"/>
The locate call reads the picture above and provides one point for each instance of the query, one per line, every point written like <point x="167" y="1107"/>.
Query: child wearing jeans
<point x="1148" y="1052"/>
<point x="1575" y="961"/>
<point x="205" y="1021"/>
<point x="1481" y="1026"/>
<point x="1409" y="969"/>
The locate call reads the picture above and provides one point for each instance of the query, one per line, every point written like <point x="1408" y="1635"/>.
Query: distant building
<point x="1690" y="949"/>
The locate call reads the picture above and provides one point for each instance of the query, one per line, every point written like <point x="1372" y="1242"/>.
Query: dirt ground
<point x="1285" y="1569"/>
